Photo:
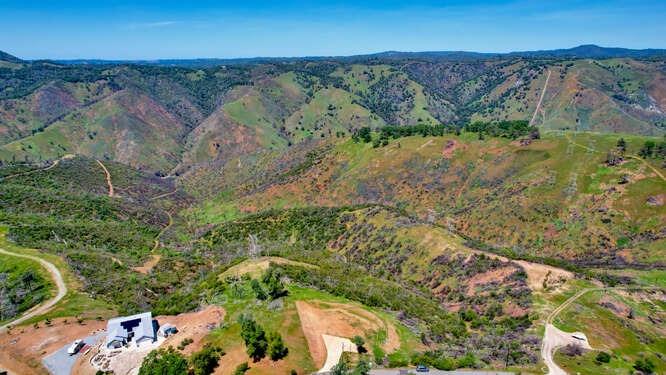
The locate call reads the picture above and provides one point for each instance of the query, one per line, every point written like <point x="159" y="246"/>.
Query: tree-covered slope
<point x="182" y="117"/>
<point x="556" y="197"/>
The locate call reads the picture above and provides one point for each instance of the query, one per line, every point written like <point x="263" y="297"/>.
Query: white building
<point x="137" y="328"/>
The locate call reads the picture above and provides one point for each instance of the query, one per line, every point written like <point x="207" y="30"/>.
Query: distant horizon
<point x="332" y="56"/>
<point x="170" y="29"/>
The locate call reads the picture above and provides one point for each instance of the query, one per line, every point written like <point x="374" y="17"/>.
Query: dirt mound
<point x="343" y="320"/>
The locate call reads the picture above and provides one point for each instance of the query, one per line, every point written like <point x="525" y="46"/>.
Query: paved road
<point x="438" y="372"/>
<point x="46" y="306"/>
<point x="334" y="347"/>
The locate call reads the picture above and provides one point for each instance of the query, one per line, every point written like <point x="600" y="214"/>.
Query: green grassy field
<point x="620" y="323"/>
<point x="239" y="299"/>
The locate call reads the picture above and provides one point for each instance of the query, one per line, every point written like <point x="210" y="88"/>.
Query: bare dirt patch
<point x="450" y="147"/>
<point x="539" y="275"/>
<point x="343" y="320"/>
<point x="254" y="267"/>
<point x="150" y="263"/>
<point x="493" y="276"/>
<point x="22" y="349"/>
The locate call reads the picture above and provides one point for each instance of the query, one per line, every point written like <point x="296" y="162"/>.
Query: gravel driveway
<point x="61" y="363"/>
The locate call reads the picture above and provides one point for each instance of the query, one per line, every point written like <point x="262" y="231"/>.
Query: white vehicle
<point x="75" y="347"/>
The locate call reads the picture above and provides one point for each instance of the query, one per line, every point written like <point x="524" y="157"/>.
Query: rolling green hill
<point x="459" y="201"/>
<point x="171" y="118"/>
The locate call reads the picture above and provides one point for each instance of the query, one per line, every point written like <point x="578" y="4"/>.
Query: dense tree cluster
<point x="258" y="343"/>
<point x="506" y="129"/>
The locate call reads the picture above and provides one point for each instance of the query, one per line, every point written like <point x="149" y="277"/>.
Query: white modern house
<point x="139" y="328"/>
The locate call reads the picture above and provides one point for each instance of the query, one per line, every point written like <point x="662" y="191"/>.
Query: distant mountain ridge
<point x="4" y="56"/>
<point x="588" y="51"/>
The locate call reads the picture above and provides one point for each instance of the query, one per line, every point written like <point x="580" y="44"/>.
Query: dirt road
<point x="555" y="338"/>
<point x="635" y="157"/>
<point x="543" y="92"/>
<point x="108" y="178"/>
<point x="53" y="165"/>
<point x="45" y="306"/>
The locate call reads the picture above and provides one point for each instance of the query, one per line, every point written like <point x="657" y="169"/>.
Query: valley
<point x="421" y="211"/>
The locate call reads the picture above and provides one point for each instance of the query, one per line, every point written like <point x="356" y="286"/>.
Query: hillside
<point x="553" y="198"/>
<point x="166" y="119"/>
<point x="450" y="210"/>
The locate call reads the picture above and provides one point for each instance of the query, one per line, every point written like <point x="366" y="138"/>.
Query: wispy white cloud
<point x="151" y="25"/>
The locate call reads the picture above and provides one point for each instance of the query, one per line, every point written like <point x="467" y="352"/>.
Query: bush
<point x="241" y="369"/>
<point x="359" y="342"/>
<point x="572" y="350"/>
<point x="204" y="361"/>
<point x="603" y="357"/>
<point x="276" y="349"/>
<point x="164" y="362"/>
<point x="272" y="280"/>
<point x="645" y="366"/>
<point x="254" y="337"/>
<point x="467" y="361"/>
<point x="258" y="290"/>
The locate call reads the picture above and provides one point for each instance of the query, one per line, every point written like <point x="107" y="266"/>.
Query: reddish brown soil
<point x="337" y="319"/>
<point x="497" y="275"/>
<point x="22" y="349"/>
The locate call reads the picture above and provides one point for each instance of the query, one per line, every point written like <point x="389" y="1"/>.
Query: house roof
<point x="119" y="328"/>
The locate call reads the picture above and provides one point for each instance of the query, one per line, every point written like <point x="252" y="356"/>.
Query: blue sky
<point x="188" y="29"/>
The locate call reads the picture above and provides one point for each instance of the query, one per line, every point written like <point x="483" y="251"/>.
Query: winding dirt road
<point x="47" y="305"/>
<point x="555" y="338"/>
<point x="108" y="178"/>
<point x="53" y="165"/>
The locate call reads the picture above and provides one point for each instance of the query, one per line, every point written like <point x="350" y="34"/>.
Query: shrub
<point x="603" y="357"/>
<point x="241" y="369"/>
<point x="254" y="337"/>
<point x="276" y="349"/>
<point x="359" y="342"/>
<point x="272" y="279"/>
<point x="164" y="362"/>
<point x="258" y="290"/>
<point x="204" y="361"/>
<point x="645" y="366"/>
<point x="572" y="350"/>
